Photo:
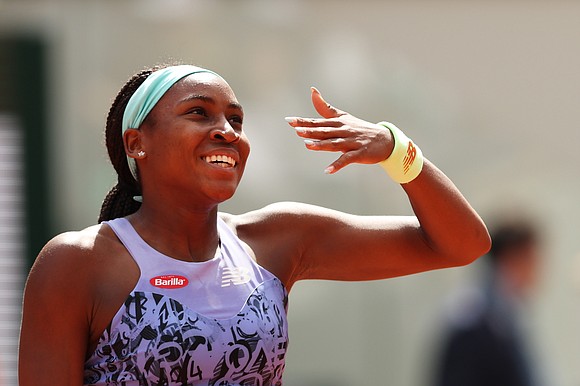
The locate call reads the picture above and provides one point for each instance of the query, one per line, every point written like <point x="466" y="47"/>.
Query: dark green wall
<point x="23" y="93"/>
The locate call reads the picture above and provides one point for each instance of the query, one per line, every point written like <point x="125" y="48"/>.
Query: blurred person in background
<point x="486" y="343"/>
<point x="167" y="290"/>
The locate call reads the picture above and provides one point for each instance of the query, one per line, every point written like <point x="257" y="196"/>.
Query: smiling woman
<point x="173" y="140"/>
<point x="167" y="290"/>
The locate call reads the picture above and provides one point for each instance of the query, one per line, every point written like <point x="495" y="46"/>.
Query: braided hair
<point x="119" y="201"/>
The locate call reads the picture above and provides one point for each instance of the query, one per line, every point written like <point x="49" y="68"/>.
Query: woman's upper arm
<point x="56" y="315"/>
<point x="341" y="246"/>
<point x="299" y="241"/>
<point x="310" y="242"/>
<point x="349" y="247"/>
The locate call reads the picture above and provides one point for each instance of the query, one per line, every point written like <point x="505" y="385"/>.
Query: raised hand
<point x="359" y="141"/>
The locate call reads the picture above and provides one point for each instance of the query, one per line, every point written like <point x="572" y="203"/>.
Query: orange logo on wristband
<point x="409" y="157"/>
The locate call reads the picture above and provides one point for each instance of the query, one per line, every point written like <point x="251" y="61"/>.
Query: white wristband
<point x="406" y="161"/>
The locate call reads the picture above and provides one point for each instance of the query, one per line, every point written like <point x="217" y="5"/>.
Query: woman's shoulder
<point x="281" y="225"/>
<point x="75" y="252"/>
<point x="67" y="271"/>
<point x="76" y="244"/>
<point x="287" y="215"/>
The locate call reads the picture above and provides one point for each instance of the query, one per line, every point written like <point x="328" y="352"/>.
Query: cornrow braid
<point x="119" y="201"/>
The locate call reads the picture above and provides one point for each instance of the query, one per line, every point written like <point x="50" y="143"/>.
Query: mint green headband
<point x="148" y="94"/>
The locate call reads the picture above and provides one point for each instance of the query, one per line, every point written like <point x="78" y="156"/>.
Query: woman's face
<point x="194" y="142"/>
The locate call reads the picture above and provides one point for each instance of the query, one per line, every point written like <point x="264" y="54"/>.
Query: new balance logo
<point x="235" y="276"/>
<point x="409" y="157"/>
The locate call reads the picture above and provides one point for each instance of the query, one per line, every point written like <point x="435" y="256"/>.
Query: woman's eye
<point x="197" y="111"/>
<point x="236" y="119"/>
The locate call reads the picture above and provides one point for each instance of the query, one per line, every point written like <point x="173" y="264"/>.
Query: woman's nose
<point x="225" y="132"/>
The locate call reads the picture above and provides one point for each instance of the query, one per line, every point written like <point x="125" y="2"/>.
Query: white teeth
<point x="222" y="160"/>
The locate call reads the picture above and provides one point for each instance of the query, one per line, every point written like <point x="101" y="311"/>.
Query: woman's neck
<point x="184" y="234"/>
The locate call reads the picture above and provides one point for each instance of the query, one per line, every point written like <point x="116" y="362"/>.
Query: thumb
<point x="322" y="107"/>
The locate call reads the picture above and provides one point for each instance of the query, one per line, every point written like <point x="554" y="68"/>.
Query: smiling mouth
<point x="220" y="160"/>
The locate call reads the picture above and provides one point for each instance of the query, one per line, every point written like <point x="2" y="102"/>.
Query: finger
<point x="334" y="144"/>
<point x="322" y="107"/>
<point x="320" y="133"/>
<point x="312" y="122"/>
<point x="342" y="161"/>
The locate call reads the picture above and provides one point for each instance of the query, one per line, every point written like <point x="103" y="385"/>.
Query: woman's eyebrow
<point x="203" y="98"/>
<point x="210" y="100"/>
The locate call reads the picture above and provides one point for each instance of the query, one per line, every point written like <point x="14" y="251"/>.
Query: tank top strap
<point x="231" y="245"/>
<point x="135" y="245"/>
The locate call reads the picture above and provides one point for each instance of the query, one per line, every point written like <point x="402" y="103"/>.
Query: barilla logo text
<point x="169" y="281"/>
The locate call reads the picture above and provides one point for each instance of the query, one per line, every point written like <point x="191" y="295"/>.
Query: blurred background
<point x="490" y="91"/>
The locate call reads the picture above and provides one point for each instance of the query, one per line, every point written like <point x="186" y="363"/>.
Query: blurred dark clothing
<point x="483" y="345"/>
<point x="485" y="342"/>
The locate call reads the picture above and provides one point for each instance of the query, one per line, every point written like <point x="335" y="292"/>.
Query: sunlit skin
<point x="87" y="275"/>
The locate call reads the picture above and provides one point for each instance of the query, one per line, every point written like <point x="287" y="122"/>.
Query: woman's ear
<point x="133" y="144"/>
